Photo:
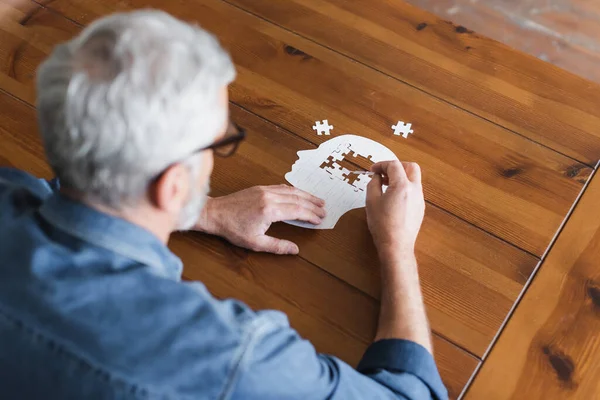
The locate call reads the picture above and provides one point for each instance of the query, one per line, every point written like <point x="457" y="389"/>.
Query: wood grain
<point x="501" y="182"/>
<point x="28" y="33"/>
<point x="550" y="347"/>
<point x="479" y="177"/>
<point x="20" y="144"/>
<point x="515" y="90"/>
<point x="468" y="296"/>
<point x="565" y="33"/>
<point x="336" y="317"/>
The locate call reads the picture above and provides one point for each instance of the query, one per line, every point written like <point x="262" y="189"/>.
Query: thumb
<point x="374" y="189"/>
<point x="273" y="245"/>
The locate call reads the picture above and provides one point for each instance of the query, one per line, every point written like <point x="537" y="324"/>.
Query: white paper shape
<point x="403" y="129"/>
<point x="322" y="127"/>
<point x="329" y="183"/>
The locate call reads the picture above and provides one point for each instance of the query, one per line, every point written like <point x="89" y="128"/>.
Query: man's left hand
<point x="244" y="217"/>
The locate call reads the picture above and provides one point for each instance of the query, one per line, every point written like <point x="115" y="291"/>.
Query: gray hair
<point x="133" y="93"/>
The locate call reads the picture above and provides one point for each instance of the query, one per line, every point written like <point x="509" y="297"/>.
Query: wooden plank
<point x="574" y="21"/>
<point x="515" y="272"/>
<point x="501" y="182"/>
<point x="515" y="90"/>
<point x="467" y="296"/>
<point x="565" y="33"/>
<point x="457" y="312"/>
<point x="550" y="347"/>
<point x="28" y="33"/>
<point x="336" y="317"/>
<point x="578" y="21"/>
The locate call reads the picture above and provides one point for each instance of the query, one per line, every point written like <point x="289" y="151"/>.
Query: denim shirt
<point x="93" y="307"/>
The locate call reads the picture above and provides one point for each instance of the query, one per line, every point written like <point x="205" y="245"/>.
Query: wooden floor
<point x="507" y="143"/>
<point x="563" y="32"/>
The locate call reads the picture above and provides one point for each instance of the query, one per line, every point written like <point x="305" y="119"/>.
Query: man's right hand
<point x="395" y="217"/>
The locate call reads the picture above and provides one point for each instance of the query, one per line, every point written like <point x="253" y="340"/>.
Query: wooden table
<point x="563" y="32"/>
<point x="507" y="144"/>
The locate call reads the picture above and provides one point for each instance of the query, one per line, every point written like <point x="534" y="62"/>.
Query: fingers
<point x="398" y="172"/>
<point x="276" y="246"/>
<point x="318" y="211"/>
<point x="374" y="189"/>
<point x="293" y="199"/>
<point x="393" y="170"/>
<point x="288" y="196"/>
<point x="293" y="211"/>
<point x="296" y="194"/>
<point x="413" y="171"/>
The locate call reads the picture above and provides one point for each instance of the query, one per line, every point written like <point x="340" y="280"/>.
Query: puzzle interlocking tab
<point x="329" y="172"/>
<point x="322" y="127"/>
<point x="335" y="170"/>
<point x="402" y="129"/>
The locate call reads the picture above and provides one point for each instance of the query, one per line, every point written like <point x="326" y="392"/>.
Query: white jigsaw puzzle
<point x="323" y="127"/>
<point x="402" y="129"/>
<point x="318" y="172"/>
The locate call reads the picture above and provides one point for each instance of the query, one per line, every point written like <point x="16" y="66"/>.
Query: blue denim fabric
<point x="92" y="307"/>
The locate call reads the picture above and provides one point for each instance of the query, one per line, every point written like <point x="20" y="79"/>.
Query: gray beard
<point x="193" y="208"/>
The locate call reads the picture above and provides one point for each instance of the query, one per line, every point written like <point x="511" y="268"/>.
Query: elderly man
<point x="91" y="303"/>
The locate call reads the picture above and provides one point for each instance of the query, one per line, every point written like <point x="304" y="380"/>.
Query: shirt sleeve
<point x="52" y="184"/>
<point x="15" y="177"/>
<point x="277" y="363"/>
<point x="397" y="356"/>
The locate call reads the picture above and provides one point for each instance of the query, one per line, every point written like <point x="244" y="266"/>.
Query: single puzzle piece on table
<point x="322" y="127"/>
<point x="402" y="129"/>
<point x="321" y="172"/>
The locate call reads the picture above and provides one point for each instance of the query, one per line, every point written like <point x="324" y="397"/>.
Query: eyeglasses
<point x="224" y="147"/>
<point x="228" y="144"/>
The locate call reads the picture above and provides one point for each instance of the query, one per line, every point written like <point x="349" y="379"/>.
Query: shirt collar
<point x="112" y="233"/>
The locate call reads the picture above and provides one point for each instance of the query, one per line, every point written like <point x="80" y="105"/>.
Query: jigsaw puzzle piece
<point x="343" y="148"/>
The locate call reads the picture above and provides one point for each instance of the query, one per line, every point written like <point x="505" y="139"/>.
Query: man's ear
<point x="170" y="191"/>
